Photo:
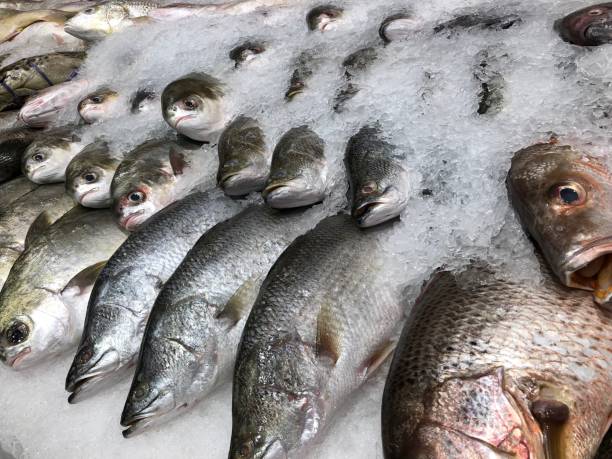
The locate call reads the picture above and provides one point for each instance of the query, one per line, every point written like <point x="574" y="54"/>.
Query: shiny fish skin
<point x="127" y="287"/>
<point x="13" y="190"/>
<point x="501" y="342"/>
<point x="323" y="321"/>
<point x="192" y="336"/>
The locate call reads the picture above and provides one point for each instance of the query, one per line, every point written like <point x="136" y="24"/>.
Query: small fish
<point x="324" y="18"/>
<point x="590" y="26"/>
<point x="298" y="172"/>
<point x="491" y="368"/>
<point x="13" y="144"/>
<point x="399" y="26"/>
<point x="244" y="159"/>
<point x="46" y="159"/>
<point x="246" y="52"/>
<point x="378" y="180"/>
<point x="89" y="176"/>
<point x="99" y="106"/>
<point x="563" y="197"/>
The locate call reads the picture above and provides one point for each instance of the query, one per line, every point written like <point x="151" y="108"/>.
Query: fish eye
<point x="368" y="188"/>
<point x="38" y="157"/>
<point x="136" y="196"/>
<point x="190" y="104"/>
<point x="141" y="391"/>
<point x="17" y="333"/>
<point x="569" y="194"/>
<point x="90" y="177"/>
<point x="595" y="12"/>
<point x="96" y="99"/>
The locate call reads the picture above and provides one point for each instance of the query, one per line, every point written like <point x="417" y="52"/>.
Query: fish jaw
<point x="146" y="406"/>
<point x="293" y="193"/>
<point x="374" y="210"/>
<point x="243" y="182"/>
<point x="88" y="371"/>
<point x="44" y="108"/>
<point x="88" y="25"/>
<point x="591" y="26"/>
<point x="96" y="197"/>
<point x="200" y="124"/>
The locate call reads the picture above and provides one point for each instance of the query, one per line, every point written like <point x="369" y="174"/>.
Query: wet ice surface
<point x="423" y="91"/>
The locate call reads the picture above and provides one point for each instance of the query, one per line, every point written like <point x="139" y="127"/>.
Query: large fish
<point x="27" y="217"/>
<point x="126" y="289"/>
<point x="193" y="106"/>
<point x="563" y="197"/>
<point x="28" y="76"/>
<point x="192" y="336"/>
<point x="322" y="323"/>
<point x="244" y="159"/>
<point x="43" y="302"/>
<point x="491" y="368"/>
<point x="379" y="183"/>
<point x="13" y="190"/>
<point x="298" y="171"/>
<point x="89" y="175"/>
<point x="590" y="26"/>
<point x="13" y="144"/>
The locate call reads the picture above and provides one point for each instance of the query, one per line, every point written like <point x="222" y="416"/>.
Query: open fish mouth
<point x="138" y="422"/>
<point x="128" y="221"/>
<point x="598" y="32"/>
<point x="15" y="360"/>
<point x="591" y="269"/>
<point x="375" y="211"/>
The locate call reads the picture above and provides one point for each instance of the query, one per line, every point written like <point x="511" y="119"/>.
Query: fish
<point x="26" y="217"/>
<point x="298" y="172"/>
<point x="153" y="176"/>
<point x="100" y="20"/>
<point x="198" y="317"/>
<point x="14" y="22"/>
<point x="144" y="100"/>
<point x="590" y="26"/>
<point x="46" y="158"/>
<point x="193" y="106"/>
<point x="99" y="106"/>
<point x="13" y="144"/>
<point x="127" y="287"/>
<point x="354" y="64"/>
<point x="399" y="26"/>
<point x="489" y="367"/>
<point x="379" y="182"/>
<point x="244" y="159"/>
<point x="305" y="65"/>
<point x="324" y="18"/>
<point x="323" y="322"/>
<point x="45" y="107"/>
<point x="89" y="175"/>
<point x="562" y="197"/>
<point x="488" y="20"/>
<point x="29" y="75"/>
<point x="246" y="52"/>
<point x="49" y="34"/>
<point x="14" y="189"/>
<point x="487" y="73"/>
<point x="43" y="301"/>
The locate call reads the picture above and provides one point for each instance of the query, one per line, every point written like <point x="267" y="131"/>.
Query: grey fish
<point x="89" y="175"/>
<point x="378" y="180"/>
<point x="590" y="26"/>
<point x="46" y="158"/>
<point x="322" y="323"/>
<point x="298" y="172"/>
<point x="13" y="190"/>
<point x="191" y="339"/>
<point x="491" y="368"/>
<point x="482" y="20"/>
<point x="126" y="289"/>
<point x="489" y="63"/>
<point x="244" y="159"/>
<point x="354" y="64"/>
<point x="43" y="301"/>
<point x="324" y="17"/>
<point x="13" y="144"/>
<point x="27" y="76"/>
<point x="304" y="67"/>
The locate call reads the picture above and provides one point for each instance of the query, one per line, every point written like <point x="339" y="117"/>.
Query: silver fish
<point x="46" y="159"/>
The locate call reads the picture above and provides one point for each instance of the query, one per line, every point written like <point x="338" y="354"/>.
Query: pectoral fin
<point x="240" y="304"/>
<point x="83" y="280"/>
<point x="329" y="336"/>
<point x="38" y="227"/>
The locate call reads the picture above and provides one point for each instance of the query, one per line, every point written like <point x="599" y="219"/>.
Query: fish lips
<point x="14" y="356"/>
<point x="130" y="221"/>
<point x="241" y="183"/>
<point x="374" y="210"/>
<point x="138" y="422"/>
<point x="288" y="195"/>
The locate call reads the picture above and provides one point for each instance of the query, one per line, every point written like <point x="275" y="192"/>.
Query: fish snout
<point x="88" y="369"/>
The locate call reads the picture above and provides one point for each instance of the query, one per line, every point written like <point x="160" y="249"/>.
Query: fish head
<point x="26" y="339"/>
<point x="90" y="186"/>
<point x="564" y="199"/>
<point x="45" y="160"/>
<point x="591" y="26"/>
<point x="194" y="107"/>
<point x="101" y="105"/>
<point x="44" y="108"/>
<point x="246" y="52"/>
<point x="399" y="27"/>
<point x="289" y="189"/>
<point x="98" y="21"/>
<point x="138" y="204"/>
<point x="324" y="18"/>
<point x="242" y="175"/>
<point x="144" y="100"/>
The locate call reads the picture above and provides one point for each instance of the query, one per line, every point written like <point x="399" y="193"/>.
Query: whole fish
<point x="563" y="197"/>
<point x="43" y="302"/>
<point x="13" y="190"/>
<point x="193" y="106"/>
<point x="26" y="218"/>
<point x="28" y="76"/>
<point x="89" y="175"/>
<point x="13" y="144"/>
<point x="192" y="336"/>
<point x="244" y="159"/>
<point x="491" y="368"/>
<point x="99" y="106"/>
<point x="590" y="26"/>
<point x="154" y="175"/>
<point x="379" y="183"/>
<point x="324" y="18"/>
<point x="298" y="172"/>
<point x="46" y="158"/>
<point x="98" y="21"/>
<point x="126" y="289"/>
<point x="322" y="323"/>
<point x="14" y="22"/>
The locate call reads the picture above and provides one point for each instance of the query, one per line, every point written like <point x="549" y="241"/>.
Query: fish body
<point x="43" y="301"/>
<point x="590" y="26"/>
<point x="490" y="368"/>
<point x="298" y="171"/>
<point x="9" y="120"/>
<point x="563" y="197"/>
<point x="13" y="143"/>
<point x="244" y="159"/>
<point x="28" y="76"/>
<point x="323" y="321"/>
<point x="378" y="179"/>
<point x="127" y="287"/>
<point x="13" y="190"/>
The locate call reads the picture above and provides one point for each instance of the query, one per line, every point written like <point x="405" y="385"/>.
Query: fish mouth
<point x="91" y="376"/>
<point x="598" y="33"/>
<point x="180" y="119"/>
<point x="239" y="183"/>
<point x="81" y="197"/>
<point x="141" y="420"/>
<point x="591" y="269"/>
<point x="294" y="90"/>
<point x="15" y="360"/>
<point x="286" y="195"/>
<point x="375" y="212"/>
<point x="128" y="221"/>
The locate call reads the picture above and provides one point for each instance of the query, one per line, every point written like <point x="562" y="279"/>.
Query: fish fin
<point x="177" y="162"/>
<point x="38" y="227"/>
<point x="328" y="337"/>
<point x="83" y="280"/>
<point x="239" y="305"/>
<point x="377" y="358"/>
